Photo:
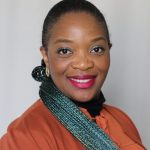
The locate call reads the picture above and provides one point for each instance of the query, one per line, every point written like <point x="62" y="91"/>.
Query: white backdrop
<point x="128" y="81"/>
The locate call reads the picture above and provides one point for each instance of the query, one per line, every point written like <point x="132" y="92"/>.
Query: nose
<point x="82" y="62"/>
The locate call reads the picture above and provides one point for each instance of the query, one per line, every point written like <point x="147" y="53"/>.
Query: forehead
<point x="77" y="16"/>
<point x="77" y="22"/>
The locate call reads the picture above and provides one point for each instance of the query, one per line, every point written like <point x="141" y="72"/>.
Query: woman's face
<point x="78" y="55"/>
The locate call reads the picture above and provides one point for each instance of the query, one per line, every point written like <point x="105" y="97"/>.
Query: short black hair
<point x="66" y="6"/>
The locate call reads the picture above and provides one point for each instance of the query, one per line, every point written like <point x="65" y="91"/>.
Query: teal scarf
<point x="84" y="129"/>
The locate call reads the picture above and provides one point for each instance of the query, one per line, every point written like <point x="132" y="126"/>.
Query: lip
<point x="82" y="81"/>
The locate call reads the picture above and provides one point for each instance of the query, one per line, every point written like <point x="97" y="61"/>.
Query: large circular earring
<point x="47" y="72"/>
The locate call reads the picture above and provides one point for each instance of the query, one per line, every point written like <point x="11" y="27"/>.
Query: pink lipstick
<point x="82" y="82"/>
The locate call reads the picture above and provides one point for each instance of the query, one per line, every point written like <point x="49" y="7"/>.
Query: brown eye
<point x="64" y="51"/>
<point x="97" y="50"/>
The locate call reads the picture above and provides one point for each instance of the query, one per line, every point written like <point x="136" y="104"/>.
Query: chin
<point x="85" y="98"/>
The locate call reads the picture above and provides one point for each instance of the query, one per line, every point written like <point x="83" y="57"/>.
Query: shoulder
<point x="125" y="121"/>
<point x="27" y="131"/>
<point x="30" y="117"/>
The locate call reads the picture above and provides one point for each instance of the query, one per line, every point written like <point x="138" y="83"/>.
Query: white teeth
<point x="81" y="80"/>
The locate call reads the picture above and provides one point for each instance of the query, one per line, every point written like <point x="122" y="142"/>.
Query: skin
<point x="86" y="53"/>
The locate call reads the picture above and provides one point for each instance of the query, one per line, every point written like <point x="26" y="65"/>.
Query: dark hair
<point x="66" y="6"/>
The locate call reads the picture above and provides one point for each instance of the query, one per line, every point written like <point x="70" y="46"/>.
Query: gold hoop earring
<point x="47" y="72"/>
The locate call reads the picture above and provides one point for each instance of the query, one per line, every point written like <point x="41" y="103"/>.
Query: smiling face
<point x="78" y="55"/>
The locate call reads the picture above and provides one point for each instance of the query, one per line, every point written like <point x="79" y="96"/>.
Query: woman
<point x="71" y="113"/>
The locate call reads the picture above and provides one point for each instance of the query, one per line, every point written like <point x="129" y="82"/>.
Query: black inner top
<point x="94" y="106"/>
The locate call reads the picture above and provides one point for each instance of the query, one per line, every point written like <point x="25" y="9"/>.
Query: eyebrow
<point x="98" y="39"/>
<point x="70" y="41"/>
<point x="63" y="41"/>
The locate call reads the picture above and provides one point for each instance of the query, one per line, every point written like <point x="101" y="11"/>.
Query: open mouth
<point x="83" y="82"/>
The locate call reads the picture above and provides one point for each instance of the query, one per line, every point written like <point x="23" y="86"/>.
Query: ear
<point x="44" y="55"/>
<point x="110" y="45"/>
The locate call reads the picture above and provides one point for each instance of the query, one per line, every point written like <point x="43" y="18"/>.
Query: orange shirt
<point x="38" y="129"/>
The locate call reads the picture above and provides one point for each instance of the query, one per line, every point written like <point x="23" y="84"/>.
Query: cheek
<point x="57" y="67"/>
<point x="103" y="64"/>
<point x="107" y="63"/>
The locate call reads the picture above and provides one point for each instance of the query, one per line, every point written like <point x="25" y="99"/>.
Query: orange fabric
<point x="125" y="122"/>
<point x="38" y="129"/>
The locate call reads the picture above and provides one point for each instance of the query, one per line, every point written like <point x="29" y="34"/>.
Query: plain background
<point x="128" y="81"/>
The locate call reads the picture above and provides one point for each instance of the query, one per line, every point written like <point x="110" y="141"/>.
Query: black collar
<point x="94" y="106"/>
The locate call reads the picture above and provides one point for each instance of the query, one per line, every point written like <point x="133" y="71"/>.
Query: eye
<point x="64" y="51"/>
<point x="98" y="50"/>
